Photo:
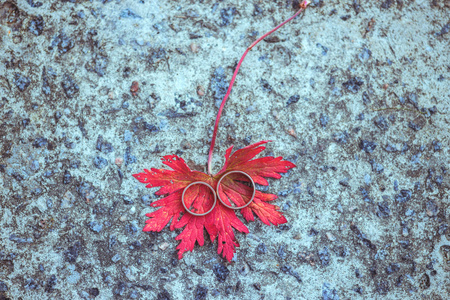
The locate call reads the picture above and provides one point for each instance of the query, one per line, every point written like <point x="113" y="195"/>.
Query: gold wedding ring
<point x="251" y="180"/>
<point x="210" y="187"/>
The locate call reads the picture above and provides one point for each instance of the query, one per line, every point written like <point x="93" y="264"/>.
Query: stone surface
<point x="356" y="93"/>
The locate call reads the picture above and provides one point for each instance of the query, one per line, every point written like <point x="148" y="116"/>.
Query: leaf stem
<point x="303" y="5"/>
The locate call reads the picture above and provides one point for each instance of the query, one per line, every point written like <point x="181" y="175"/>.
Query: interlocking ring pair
<point x="217" y="195"/>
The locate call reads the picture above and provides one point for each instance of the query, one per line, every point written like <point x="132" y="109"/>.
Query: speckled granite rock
<point x="356" y="93"/>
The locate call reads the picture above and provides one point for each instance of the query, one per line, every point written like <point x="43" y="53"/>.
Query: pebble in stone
<point x="199" y="272"/>
<point x="323" y="120"/>
<point x="116" y="258"/>
<point x="34" y="166"/>
<point x="324" y="53"/>
<point x="118" y="161"/>
<point x="127" y="136"/>
<point x="341" y="137"/>
<point x="293" y="99"/>
<point x="25" y="122"/>
<point x="367" y="179"/>
<point x="95" y="226"/>
<point x="383" y="210"/>
<point x="163" y="246"/>
<point x="414" y="126"/>
<point x="131" y="229"/>
<point x="134" y="89"/>
<point x="164" y="295"/>
<point x="403" y="196"/>
<point x="324" y="256"/>
<point x="442" y="229"/>
<point x="227" y="15"/>
<point x="62" y="42"/>
<point x="221" y="272"/>
<point x="3" y="286"/>
<point x="431" y="208"/>
<point x="127" y="200"/>
<point x="436" y="146"/>
<point x="404" y="244"/>
<point x="194" y="47"/>
<point x="344" y="182"/>
<point x="146" y="200"/>
<point x="391" y="148"/>
<point x="261" y="249"/>
<point x="405" y="231"/>
<point x="74" y="164"/>
<point x="136" y="245"/>
<point x="67" y="177"/>
<point x="282" y="251"/>
<point x="31" y="284"/>
<point x="200" y="292"/>
<point x="330" y="236"/>
<point x="112" y="241"/>
<point x="381" y="123"/>
<point x="69" y="86"/>
<point x="36" y="25"/>
<point x="100" y="162"/>
<point x="367" y="146"/>
<point x="354" y="84"/>
<point x="291" y="132"/>
<point x="86" y="191"/>
<point x="409" y="212"/>
<point x="444" y="30"/>
<point x="200" y="91"/>
<point x="49" y="203"/>
<point x="328" y="293"/>
<point x="313" y="232"/>
<point x="21" y="81"/>
<point x="265" y="85"/>
<point x="392" y="268"/>
<point x="13" y="237"/>
<point x="34" y="4"/>
<point x="366" y="98"/>
<point x="376" y="167"/>
<point x="365" y="54"/>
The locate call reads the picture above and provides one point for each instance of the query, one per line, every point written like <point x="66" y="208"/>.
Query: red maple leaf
<point x="222" y="220"/>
